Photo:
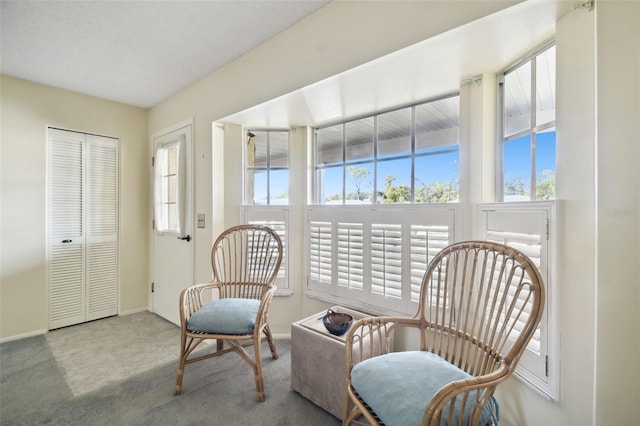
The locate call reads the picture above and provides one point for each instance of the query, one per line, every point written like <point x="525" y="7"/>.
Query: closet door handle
<point x="66" y="241"/>
<point x="187" y="238"/>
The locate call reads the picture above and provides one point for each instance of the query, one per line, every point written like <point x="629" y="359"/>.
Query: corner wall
<point x="27" y="109"/>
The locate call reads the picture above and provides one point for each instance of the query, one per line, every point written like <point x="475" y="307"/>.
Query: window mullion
<point x="344" y="163"/>
<point x="413" y="154"/>
<point x="532" y="131"/>
<point x="375" y="159"/>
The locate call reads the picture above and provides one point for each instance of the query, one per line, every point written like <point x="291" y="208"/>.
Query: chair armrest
<point x="191" y="299"/>
<point x="263" y="310"/>
<point x="372" y="336"/>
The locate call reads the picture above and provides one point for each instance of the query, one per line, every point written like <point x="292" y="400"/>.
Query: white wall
<point x="27" y="110"/>
<point x="618" y="213"/>
<point x="592" y="367"/>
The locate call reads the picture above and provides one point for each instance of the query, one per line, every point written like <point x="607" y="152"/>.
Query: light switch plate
<point x="200" y="217"/>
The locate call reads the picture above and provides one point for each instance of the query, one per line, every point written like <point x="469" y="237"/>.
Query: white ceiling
<point x="426" y="70"/>
<point x="141" y="52"/>
<point x="135" y="52"/>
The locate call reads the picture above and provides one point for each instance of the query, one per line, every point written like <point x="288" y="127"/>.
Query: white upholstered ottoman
<point x="318" y="362"/>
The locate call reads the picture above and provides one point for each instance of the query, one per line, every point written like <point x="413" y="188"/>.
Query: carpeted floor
<point x="121" y="371"/>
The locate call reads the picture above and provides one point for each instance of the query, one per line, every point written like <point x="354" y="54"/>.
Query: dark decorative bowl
<point x="337" y="323"/>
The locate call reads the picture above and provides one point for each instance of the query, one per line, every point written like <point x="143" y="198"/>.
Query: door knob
<point x="188" y="238"/>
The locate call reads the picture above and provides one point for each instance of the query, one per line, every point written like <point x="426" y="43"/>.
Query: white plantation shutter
<point x="374" y="258"/>
<point x="82" y="227"/>
<point x="386" y="260"/>
<point x="320" y="254"/>
<point x="350" y="255"/>
<point x="426" y="242"/>
<point x="276" y="218"/>
<point x="102" y="227"/>
<point x="525" y="227"/>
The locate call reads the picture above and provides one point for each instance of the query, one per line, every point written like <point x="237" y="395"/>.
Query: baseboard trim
<point x="283" y="336"/>
<point x="133" y="311"/>
<point x="23" y="336"/>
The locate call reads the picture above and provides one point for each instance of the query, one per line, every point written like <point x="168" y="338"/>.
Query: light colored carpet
<point x="103" y="352"/>
<point x="115" y="357"/>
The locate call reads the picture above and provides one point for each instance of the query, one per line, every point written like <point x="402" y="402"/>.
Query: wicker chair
<point x="480" y="304"/>
<point x="245" y="261"/>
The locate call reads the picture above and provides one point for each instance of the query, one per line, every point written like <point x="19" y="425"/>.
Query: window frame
<point x="161" y="187"/>
<point x="376" y="158"/>
<point x="268" y="169"/>
<point x="539" y="371"/>
<point x="532" y="130"/>
<point x="269" y="214"/>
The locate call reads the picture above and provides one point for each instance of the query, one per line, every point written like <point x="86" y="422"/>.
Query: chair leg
<point x="272" y="345"/>
<point x="257" y="367"/>
<point x="180" y="371"/>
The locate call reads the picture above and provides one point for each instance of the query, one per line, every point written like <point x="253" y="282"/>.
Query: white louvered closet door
<point x="102" y="227"/>
<point x="82" y="227"/>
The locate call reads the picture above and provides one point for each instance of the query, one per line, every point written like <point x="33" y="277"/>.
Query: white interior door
<point x="173" y="219"/>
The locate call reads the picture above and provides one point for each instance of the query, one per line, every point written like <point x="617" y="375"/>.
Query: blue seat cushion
<point x="225" y="316"/>
<point x="398" y="386"/>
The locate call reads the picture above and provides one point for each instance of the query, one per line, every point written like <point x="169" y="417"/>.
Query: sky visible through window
<point x="429" y="169"/>
<point x="441" y="167"/>
<point x="517" y="158"/>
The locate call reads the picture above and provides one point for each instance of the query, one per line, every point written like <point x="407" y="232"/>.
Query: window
<point x="527" y="150"/>
<point x="530" y="228"/>
<point x="276" y="218"/>
<point x="170" y="191"/>
<point x="374" y="258"/>
<point x="267" y="167"/>
<point x="409" y="155"/>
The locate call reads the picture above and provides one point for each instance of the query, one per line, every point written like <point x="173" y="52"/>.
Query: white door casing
<point x="173" y="257"/>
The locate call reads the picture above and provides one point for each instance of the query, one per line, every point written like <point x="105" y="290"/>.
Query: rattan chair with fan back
<point x="233" y="308"/>
<point x="480" y="304"/>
